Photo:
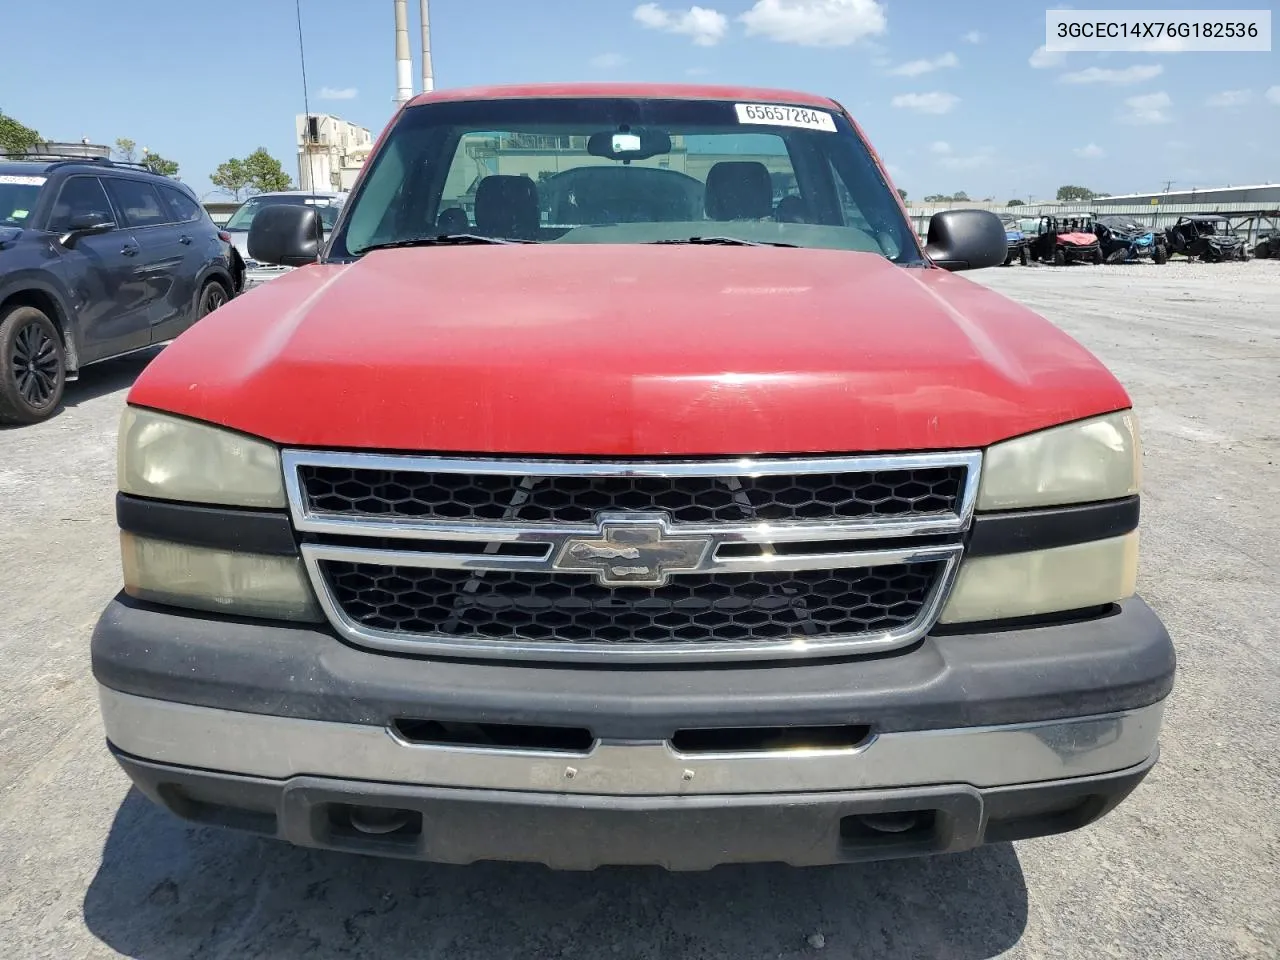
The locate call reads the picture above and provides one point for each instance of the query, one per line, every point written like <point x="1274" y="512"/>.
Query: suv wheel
<point x="1059" y="257"/>
<point x="1024" y="256"/>
<point x="1161" y="255"/>
<point x="213" y="296"/>
<point x="33" y="374"/>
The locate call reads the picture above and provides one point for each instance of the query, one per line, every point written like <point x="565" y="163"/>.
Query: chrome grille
<point x="573" y="608"/>
<point x="566" y="499"/>
<point x="651" y="561"/>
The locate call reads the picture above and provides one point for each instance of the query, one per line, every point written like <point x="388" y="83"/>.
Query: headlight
<point x="168" y="458"/>
<point x="1084" y="462"/>
<point x="238" y="584"/>
<point x="1013" y="585"/>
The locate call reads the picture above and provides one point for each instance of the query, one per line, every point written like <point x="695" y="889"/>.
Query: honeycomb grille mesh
<point x="443" y="496"/>
<point x="573" y="608"/>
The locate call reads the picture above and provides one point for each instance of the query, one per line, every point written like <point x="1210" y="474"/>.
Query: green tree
<point x="1068" y="193"/>
<point x="158" y="164"/>
<point x="126" y="150"/>
<point x="232" y="177"/>
<point x="1015" y="202"/>
<point x="16" y="137"/>
<point x="960" y="197"/>
<point x="903" y="194"/>
<point x="265" y="172"/>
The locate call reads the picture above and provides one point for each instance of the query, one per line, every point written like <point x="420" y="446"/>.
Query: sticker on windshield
<point x="24" y="181"/>
<point x="773" y="115"/>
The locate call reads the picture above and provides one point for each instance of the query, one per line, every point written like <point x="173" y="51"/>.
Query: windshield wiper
<point x="441" y="240"/>
<point x="727" y="242"/>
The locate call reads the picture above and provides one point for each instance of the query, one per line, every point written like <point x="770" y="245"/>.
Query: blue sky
<point x="953" y="95"/>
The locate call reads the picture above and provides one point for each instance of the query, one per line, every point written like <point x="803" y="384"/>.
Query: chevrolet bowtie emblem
<point x="631" y="551"/>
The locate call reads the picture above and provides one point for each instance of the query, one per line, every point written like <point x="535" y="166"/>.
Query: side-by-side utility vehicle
<point x="1125" y="240"/>
<point x="672" y="518"/>
<point x="1063" y="241"/>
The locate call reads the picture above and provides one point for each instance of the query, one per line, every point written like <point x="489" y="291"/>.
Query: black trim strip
<point x="1020" y="530"/>
<point x="222" y="528"/>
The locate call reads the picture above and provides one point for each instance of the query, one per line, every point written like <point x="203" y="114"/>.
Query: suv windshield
<point x="242" y="219"/>
<point x="18" y="198"/>
<point x="614" y="170"/>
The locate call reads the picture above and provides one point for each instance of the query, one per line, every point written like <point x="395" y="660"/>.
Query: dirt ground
<point x="1186" y="868"/>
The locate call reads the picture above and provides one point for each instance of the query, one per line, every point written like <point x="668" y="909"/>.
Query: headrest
<point x="739" y="190"/>
<point x="507" y="207"/>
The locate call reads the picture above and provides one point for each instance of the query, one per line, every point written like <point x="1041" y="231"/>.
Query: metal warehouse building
<point x="1264" y="195"/>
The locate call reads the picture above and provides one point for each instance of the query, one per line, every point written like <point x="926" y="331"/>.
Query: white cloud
<point x="705" y="27"/>
<point x="1147" y="109"/>
<point x="1090" y="151"/>
<point x="1273" y="95"/>
<point x="971" y="161"/>
<point x="1042" y="58"/>
<point x="895" y="171"/>
<point x="973" y="36"/>
<point x="1165" y="44"/>
<point x="816" y="23"/>
<point x="338" y="93"/>
<point x="934" y="102"/>
<point x="1230" y="98"/>
<point x="939" y="146"/>
<point x="608" y="61"/>
<point x="914" y="68"/>
<point x="1135" y="74"/>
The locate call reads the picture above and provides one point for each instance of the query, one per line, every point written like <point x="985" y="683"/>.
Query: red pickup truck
<point x="624" y="482"/>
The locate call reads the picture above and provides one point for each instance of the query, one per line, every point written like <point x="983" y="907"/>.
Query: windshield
<point x="242" y="219"/>
<point x="18" y="198"/>
<point x="606" y="170"/>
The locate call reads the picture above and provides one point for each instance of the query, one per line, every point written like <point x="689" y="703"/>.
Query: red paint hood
<point x="629" y="351"/>
<point x="1078" y="239"/>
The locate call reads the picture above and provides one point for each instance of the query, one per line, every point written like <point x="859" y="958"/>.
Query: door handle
<point x="184" y="239"/>
<point x="129" y="250"/>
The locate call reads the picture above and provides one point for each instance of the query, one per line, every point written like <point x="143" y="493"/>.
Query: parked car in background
<point x="1124" y="240"/>
<point x="96" y="259"/>
<point x="1019" y="242"/>
<point x="329" y="205"/>
<point x="1066" y="240"/>
<point x="1207" y="237"/>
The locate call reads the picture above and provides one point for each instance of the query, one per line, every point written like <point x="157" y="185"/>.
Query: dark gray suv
<point x="97" y="259"/>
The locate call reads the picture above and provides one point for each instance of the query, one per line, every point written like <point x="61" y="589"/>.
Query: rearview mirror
<point x="629" y="144"/>
<point x="86" y="225"/>
<point x="286" y="235"/>
<point x="966" y="240"/>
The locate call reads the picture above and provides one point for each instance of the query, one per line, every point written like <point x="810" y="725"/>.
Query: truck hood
<point x="627" y="351"/>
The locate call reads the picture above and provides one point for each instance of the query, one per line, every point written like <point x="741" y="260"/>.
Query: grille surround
<point x="465" y="550"/>
<point x="772" y="498"/>
<point x="694" y="610"/>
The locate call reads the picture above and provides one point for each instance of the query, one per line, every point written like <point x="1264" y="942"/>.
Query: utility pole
<point x="428" y="80"/>
<point x="404" y="62"/>
<point x="1168" y="184"/>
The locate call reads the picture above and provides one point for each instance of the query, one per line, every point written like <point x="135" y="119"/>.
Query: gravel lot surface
<point x="1186" y="868"/>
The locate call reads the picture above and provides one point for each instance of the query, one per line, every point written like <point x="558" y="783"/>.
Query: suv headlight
<point x="168" y="458"/>
<point x="1089" y="461"/>
<point x="162" y="457"/>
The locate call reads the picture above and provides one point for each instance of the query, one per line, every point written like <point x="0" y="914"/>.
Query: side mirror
<point x="286" y="235"/>
<point x="966" y="240"/>
<point x="86" y="225"/>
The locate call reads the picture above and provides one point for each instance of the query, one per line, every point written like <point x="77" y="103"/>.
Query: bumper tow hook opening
<point x="378" y="820"/>
<point x="900" y="822"/>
